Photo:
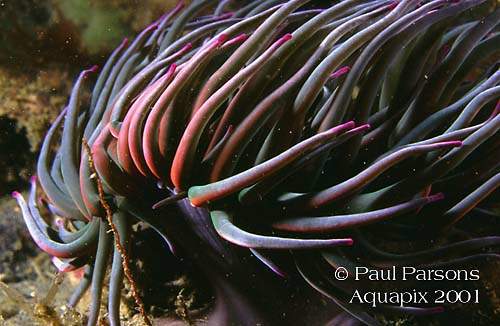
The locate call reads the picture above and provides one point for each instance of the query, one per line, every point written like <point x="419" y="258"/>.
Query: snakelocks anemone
<point x="270" y="142"/>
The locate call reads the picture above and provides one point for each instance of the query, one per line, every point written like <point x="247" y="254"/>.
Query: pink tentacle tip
<point x="436" y="310"/>
<point x="222" y="38"/>
<point x="454" y="143"/>
<point x="226" y="15"/>
<point x="285" y="38"/>
<point x="124" y="43"/>
<point x="362" y="127"/>
<point x="436" y="197"/>
<point x="92" y="69"/>
<point x="495" y="111"/>
<point x="187" y="47"/>
<point x="152" y="27"/>
<point x="349" y="242"/>
<point x="171" y="68"/>
<point x="238" y="39"/>
<point x="16" y="194"/>
<point x="340" y="128"/>
<point x="392" y="5"/>
<point x="340" y="72"/>
<point x="33" y="179"/>
<point x="451" y="143"/>
<point x="180" y="4"/>
<point x="280" y="273"/>
<point x="172" y="249"/>
<point x="348" y="125"/>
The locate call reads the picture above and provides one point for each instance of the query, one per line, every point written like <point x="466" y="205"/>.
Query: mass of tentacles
<point x="269" y="142"/>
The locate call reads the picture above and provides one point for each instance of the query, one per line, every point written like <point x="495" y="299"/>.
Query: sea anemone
<point x="304" y="135"/>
